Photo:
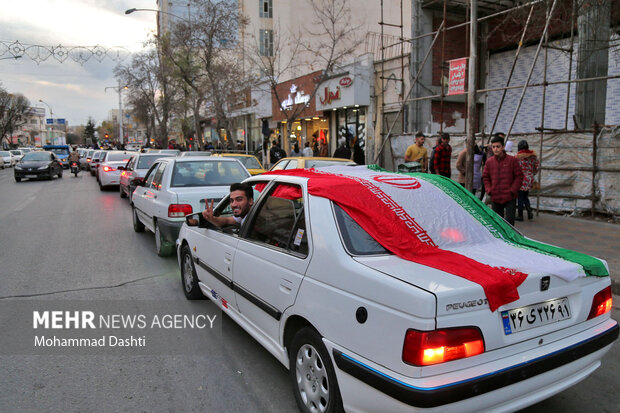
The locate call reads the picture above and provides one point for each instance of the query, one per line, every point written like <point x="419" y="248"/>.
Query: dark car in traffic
<point x="37" y="165"/>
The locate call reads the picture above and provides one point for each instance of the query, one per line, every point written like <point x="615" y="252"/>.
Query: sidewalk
<point x="592" y="237"/>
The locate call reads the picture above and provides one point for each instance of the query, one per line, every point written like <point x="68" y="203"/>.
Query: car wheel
<point x="312" y="373"/>
<point x="163" y="247"/>
<point x="100" y="186"/>
<point x="60" y="173"/>
<point x="121" y="192"/>
<point x="188" y="276"/>
<point x="138" y="226"/>
<point x="17" y="179"/>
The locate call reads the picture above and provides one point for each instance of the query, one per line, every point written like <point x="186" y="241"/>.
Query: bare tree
<point x="203" y="53"/>
<point x="328" y="42"/>
<point x="13" y="111"/>
<point x="148" y="84"/>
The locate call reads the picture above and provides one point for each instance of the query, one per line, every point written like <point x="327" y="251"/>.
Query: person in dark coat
<point x="342" y="151"/>
<point x="502" y="179"/>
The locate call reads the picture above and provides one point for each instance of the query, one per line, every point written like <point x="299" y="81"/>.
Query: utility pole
<point x="471" y="95"/>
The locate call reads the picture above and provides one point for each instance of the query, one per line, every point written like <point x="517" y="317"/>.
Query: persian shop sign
<point x="298" y="97"/>
<point x="329" y="96"/>
<point x="458" y="70"/>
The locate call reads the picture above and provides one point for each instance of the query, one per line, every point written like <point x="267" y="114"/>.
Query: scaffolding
<point x="543" y="45"/>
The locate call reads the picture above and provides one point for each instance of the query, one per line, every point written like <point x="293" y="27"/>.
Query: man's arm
<point x="486" y="178"/>
<point x="518" y="175"/>
<point x="436" y="158"/>
<point x="408" y="154"/>
<point x="215" y="220"/>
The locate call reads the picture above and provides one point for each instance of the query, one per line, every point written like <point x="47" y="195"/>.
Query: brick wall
<point x="456" y="46"/>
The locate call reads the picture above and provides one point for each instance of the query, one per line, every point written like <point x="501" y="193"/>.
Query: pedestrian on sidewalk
<point x="461" y="167"/>
<point x="417" y="152"/>
<point x="502" y="179"/>
<point x="443" y="155"/>
<point x="529" y="165"/>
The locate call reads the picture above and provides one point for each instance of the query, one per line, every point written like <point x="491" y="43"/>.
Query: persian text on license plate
<point x="524" y="318"/>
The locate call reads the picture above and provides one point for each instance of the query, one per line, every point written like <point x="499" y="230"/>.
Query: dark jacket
<point x="502" y="178"/>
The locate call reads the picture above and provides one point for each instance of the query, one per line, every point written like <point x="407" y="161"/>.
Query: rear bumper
<point x="427" y="397"/>
<point x="109" y="178"/>
<point x="170" y="229"/>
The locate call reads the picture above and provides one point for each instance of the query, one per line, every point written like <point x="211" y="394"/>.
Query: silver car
<point x="108" y="173"/>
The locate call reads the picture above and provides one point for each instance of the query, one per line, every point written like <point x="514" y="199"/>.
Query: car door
<point x="151" y="197"/>
<point x="272" y="257"/>
<point x="140" y="199"/>
<point x="213" y="249"/>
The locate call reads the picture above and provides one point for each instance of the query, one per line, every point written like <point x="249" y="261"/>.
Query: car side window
<point x="150" y="174"/>
<point x="280" y="221"/>
<point x="156" y="183"/>
<point x="292" y="164"/>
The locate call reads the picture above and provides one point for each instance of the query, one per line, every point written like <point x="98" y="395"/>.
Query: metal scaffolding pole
<point x="542" y="115"/>
<point x="471" y="95"/>
<point x="529" y="76"/>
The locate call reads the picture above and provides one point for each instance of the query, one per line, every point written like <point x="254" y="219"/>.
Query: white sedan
<point x="175" y="187"/>
<point x="7" y="159"/>
<point x="385" y="292"/>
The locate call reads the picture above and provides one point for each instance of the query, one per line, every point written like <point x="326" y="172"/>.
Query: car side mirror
<point x="193" y="220"/>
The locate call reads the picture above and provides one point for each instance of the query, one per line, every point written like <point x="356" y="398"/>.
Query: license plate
<point x="32" y="176"/>
<point x="535" y="315"/>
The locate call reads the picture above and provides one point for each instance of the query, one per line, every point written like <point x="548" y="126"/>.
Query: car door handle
<point x="227" y="257"/>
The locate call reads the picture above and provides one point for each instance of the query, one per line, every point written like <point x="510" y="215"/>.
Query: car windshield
<point x="16" y="153"/>
<point x="248" y="161"/>
<point x="36" y="156"/>
<point x="26" y="150"/>
<point x="89" y="154"/>
<point x="170" y="151"/>
<point x="59" y="151"/>
<point x="207" y="173"/>
<point x="117" y="157"/>
<point x="146" y="161"/>
<point x="197" y="153"/>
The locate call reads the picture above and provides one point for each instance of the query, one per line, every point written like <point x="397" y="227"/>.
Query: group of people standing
<point x="506" y="179"/>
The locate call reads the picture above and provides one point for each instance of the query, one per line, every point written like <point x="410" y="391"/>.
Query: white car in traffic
<point x="176" y="187"/>
<point x="385" y="292"/>
<point x="8" y="160"/>
<point x="108" y="173"/>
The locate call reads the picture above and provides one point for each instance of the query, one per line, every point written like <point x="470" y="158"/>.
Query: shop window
<point x="266" y="42"/>
<point x="265" y="8"/>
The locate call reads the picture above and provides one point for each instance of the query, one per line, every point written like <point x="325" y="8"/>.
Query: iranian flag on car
<point x="432" y="220"/>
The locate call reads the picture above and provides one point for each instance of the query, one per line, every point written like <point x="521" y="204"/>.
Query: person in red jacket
<point x="502" y="179"/>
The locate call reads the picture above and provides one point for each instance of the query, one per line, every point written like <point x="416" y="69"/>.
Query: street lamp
<point x="119" y="89"/>
<point x="129" y="11"/>
<point x="50" y="133"/>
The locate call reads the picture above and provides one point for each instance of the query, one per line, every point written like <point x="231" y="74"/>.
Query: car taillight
<point x="423" y="348"/>
<point x="601" y="303"/>
<point x="87" y="159"/>
<point x="179" y="210"/>
<point x="106" y="168"/>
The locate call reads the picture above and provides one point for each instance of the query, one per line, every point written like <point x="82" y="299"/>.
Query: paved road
<point x="64" y="240"/>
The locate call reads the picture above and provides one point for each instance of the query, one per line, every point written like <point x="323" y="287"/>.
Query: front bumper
<point x="34" y="173"/>
<point x="521" y="381"/>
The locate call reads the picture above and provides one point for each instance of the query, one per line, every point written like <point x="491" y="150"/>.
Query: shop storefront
<point x="297" y="117"/>
<point x="345" y="99"/>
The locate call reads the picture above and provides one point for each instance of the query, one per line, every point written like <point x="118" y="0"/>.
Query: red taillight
<point x="106" y="168"/>
<point x="179" y="210"/>
<point x="423" y="348"/>
<point x="87" y="159"/>
<point x="601" y="303"/>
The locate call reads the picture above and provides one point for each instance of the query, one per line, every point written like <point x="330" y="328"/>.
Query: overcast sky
<point x="74" y="92"/>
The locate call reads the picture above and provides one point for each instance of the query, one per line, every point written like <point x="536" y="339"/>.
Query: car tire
<point x="162" y="247"/>
<point x="138" y="226"/>
<point x="17" y="179"/>
<point x="312" y="373"/>
<point x="60" y="174"/>
<point x="101" y="187"/>
<point x="121" y="192"/>
<point x="189" y="279"/>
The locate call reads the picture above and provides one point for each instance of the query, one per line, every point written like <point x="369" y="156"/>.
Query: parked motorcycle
<point x="75" y="168"/>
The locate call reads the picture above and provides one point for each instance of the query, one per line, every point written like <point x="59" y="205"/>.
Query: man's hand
<point x="208" y="212"/>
